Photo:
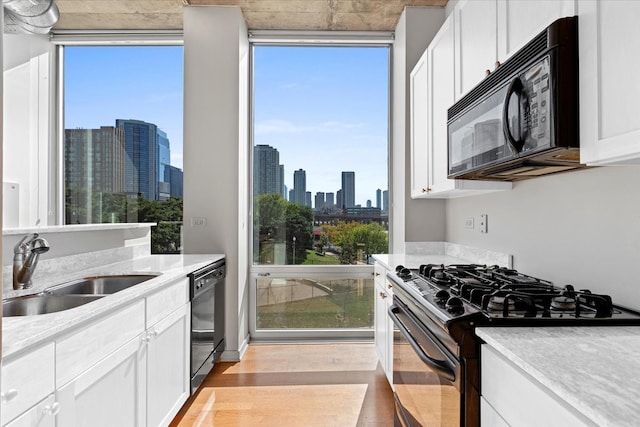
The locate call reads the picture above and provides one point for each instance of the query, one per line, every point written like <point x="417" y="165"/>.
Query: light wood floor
<point x="338" y="384"/>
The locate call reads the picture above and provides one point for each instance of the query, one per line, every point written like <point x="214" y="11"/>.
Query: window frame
<point x="256" y="271"/>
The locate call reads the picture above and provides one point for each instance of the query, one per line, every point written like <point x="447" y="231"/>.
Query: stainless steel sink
<point x="42" y="304"/>
<point x="99" y="285"/>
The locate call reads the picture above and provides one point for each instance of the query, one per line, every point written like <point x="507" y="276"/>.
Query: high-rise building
<point x="307" y="198"/>
<point x="266" y="170"/>
<point x="348" y="189"/>
<point x="282" y="189"/>
<point x="379" y="198"/>
<point x="141" y="163"/>
<point x="328" y="199"/>
<point x="319" y="200"/>
<point x="300" y="187"/>
<point x="175" y="179"/>
<point x="368" y="203"/>
<point x="291" y="196"/>
<point x="164" y="161"/>
<point x="94" y="161"/>
<point x="339" y="199"/>
<point x="385" y="201"/>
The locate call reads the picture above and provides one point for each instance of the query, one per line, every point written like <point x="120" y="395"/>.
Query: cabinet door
<point x="41" y="415"/>
<point x="476" y="42"/>
<point x="380" y="332"/>
<point x="441" y="87"/>
<point x="418" y="121"/>
<point x="609" y="85"/>
<point x="168" y="367"/>
<point x="108" y="394"/>
<point x="520" y="21"/>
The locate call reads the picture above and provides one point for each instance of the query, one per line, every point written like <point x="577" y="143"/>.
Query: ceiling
<point x="312" y="15"/>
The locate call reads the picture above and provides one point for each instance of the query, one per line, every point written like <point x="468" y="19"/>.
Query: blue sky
<point x="324" y="109"/>
<point x="103" y="84"/>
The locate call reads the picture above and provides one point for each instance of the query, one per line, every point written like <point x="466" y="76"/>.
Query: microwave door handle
<point x="514" y="88"/>
<point x="441" y="368"/>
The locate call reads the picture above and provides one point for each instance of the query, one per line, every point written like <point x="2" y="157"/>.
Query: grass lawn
<point x="313" y="258"/>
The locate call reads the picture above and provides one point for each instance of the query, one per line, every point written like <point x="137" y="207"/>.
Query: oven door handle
<point x="442" y="368"/>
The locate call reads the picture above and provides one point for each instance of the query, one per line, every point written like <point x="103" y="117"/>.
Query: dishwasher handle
<point x="443" y="368"/>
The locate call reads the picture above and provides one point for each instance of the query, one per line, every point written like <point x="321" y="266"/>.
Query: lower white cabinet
<point x="511" y="397"/>
<point x="108" y="394"/>
<point x="27" y="379"/>
<point x="128" y="368"/>
<point x="41" y="415"/>
<point x="383" y="332"/>
<point x="168" y="366"/>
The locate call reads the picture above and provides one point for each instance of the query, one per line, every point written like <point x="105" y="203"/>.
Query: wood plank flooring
<point x="336" y="384"/>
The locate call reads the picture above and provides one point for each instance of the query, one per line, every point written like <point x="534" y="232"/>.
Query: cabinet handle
<point x="377" y="274"/>
<point x="9" y="395"/>
<point x="153" y="333"/>
<point x="145" y="339"/>
<point x="389" y="285"/>
<point x="52" y="409"/>
<point x="426" y="190"/>
<point x="383" y="295"/>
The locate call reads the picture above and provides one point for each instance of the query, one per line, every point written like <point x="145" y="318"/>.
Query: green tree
<point x="299" y="220"/>
<point x="168" y="214"/>
<point x="353" y="236"/>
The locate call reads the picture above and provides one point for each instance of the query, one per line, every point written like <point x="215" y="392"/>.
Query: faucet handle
<point x="23" y="245"/>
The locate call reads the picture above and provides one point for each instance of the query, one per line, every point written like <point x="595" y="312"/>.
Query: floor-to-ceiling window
<point x="123" y="138"/>
<point x="320" y="186"/>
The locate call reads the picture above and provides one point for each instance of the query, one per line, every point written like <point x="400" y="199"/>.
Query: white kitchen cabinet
<point x="168" y="366"/>
<point x="418" y="109"/>
<point x="520" y="21"/>
<point x="488" y="32"/>
<point x="109" y="393"/>
<point x="41" y="415"/>
<point x="383" y="324"/>
<point x="609" y="35"/>
<point x="27" y="379"/>
<point x="476" y="42"/>
<point x="432" y="93"/>
<point x="503" y="387"/>
<point x="130" y="368"/>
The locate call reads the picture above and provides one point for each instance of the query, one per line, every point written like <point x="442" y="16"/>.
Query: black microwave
<point x="521" y="121"/>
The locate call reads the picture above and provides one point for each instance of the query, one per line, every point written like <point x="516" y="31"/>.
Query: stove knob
<point x="454" y="305"/>
<point x="441" y="297"/>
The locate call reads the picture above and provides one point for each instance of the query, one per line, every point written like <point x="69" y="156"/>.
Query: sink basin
<point x="43" y="304"/>
<point x="99" y="285"/>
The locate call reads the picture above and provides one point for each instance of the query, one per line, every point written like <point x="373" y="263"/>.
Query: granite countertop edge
<point x="589" y="368"/>
<point x="22" y="332"/>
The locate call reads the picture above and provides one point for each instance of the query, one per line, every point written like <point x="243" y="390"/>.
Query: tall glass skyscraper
<point x="300" y="187"/>
<point x="266" y="170"/>
<point x="141" y="163"/>
<point x="164" y="162"/>
<point x="348" y="189"/>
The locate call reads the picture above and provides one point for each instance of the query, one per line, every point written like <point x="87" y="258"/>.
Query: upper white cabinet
<point x="520" y="21"/>
<point x="476" y="42"/>
<point x="432" y="93"/>
<point x="488" y="32"/>
<point x="609" y="86"/>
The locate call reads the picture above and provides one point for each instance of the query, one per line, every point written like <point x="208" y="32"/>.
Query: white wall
<point x="216" y="151"/>
<point x="580" y="227"/>
<point x="29" y="78"/>
<point x="410" y="220"/>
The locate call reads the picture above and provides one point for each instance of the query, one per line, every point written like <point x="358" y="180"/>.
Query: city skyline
<point x="325" y="109"/>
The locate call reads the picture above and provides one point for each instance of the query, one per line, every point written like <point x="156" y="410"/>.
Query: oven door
<point x="426" y="376"/>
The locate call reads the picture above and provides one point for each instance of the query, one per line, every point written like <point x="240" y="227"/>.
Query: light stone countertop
<point x="21" y="332"/>
<point x="412" y="261"/>
<point x="593" y="369"/>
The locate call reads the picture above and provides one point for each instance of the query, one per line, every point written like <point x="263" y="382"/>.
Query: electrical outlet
<point x="468" y="222"/>
<point x="484" y="219"/>
<point x="198" y="222"/>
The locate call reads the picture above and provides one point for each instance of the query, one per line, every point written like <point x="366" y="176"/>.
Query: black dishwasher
<point x="207" y="320"/>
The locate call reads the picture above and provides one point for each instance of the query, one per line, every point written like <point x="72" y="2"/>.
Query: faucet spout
<point x="26" y="254"/>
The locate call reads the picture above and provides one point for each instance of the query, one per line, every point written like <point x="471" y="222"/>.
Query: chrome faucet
<point x="25" y="259"/>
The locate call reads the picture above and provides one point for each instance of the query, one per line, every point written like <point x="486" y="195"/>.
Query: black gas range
<point x="502" y="296"/>
<point x="436" y="309"/>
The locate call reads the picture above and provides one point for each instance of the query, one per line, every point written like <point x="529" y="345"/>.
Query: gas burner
<point x="563" y="303"/>
<point x="496" y="304"/>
